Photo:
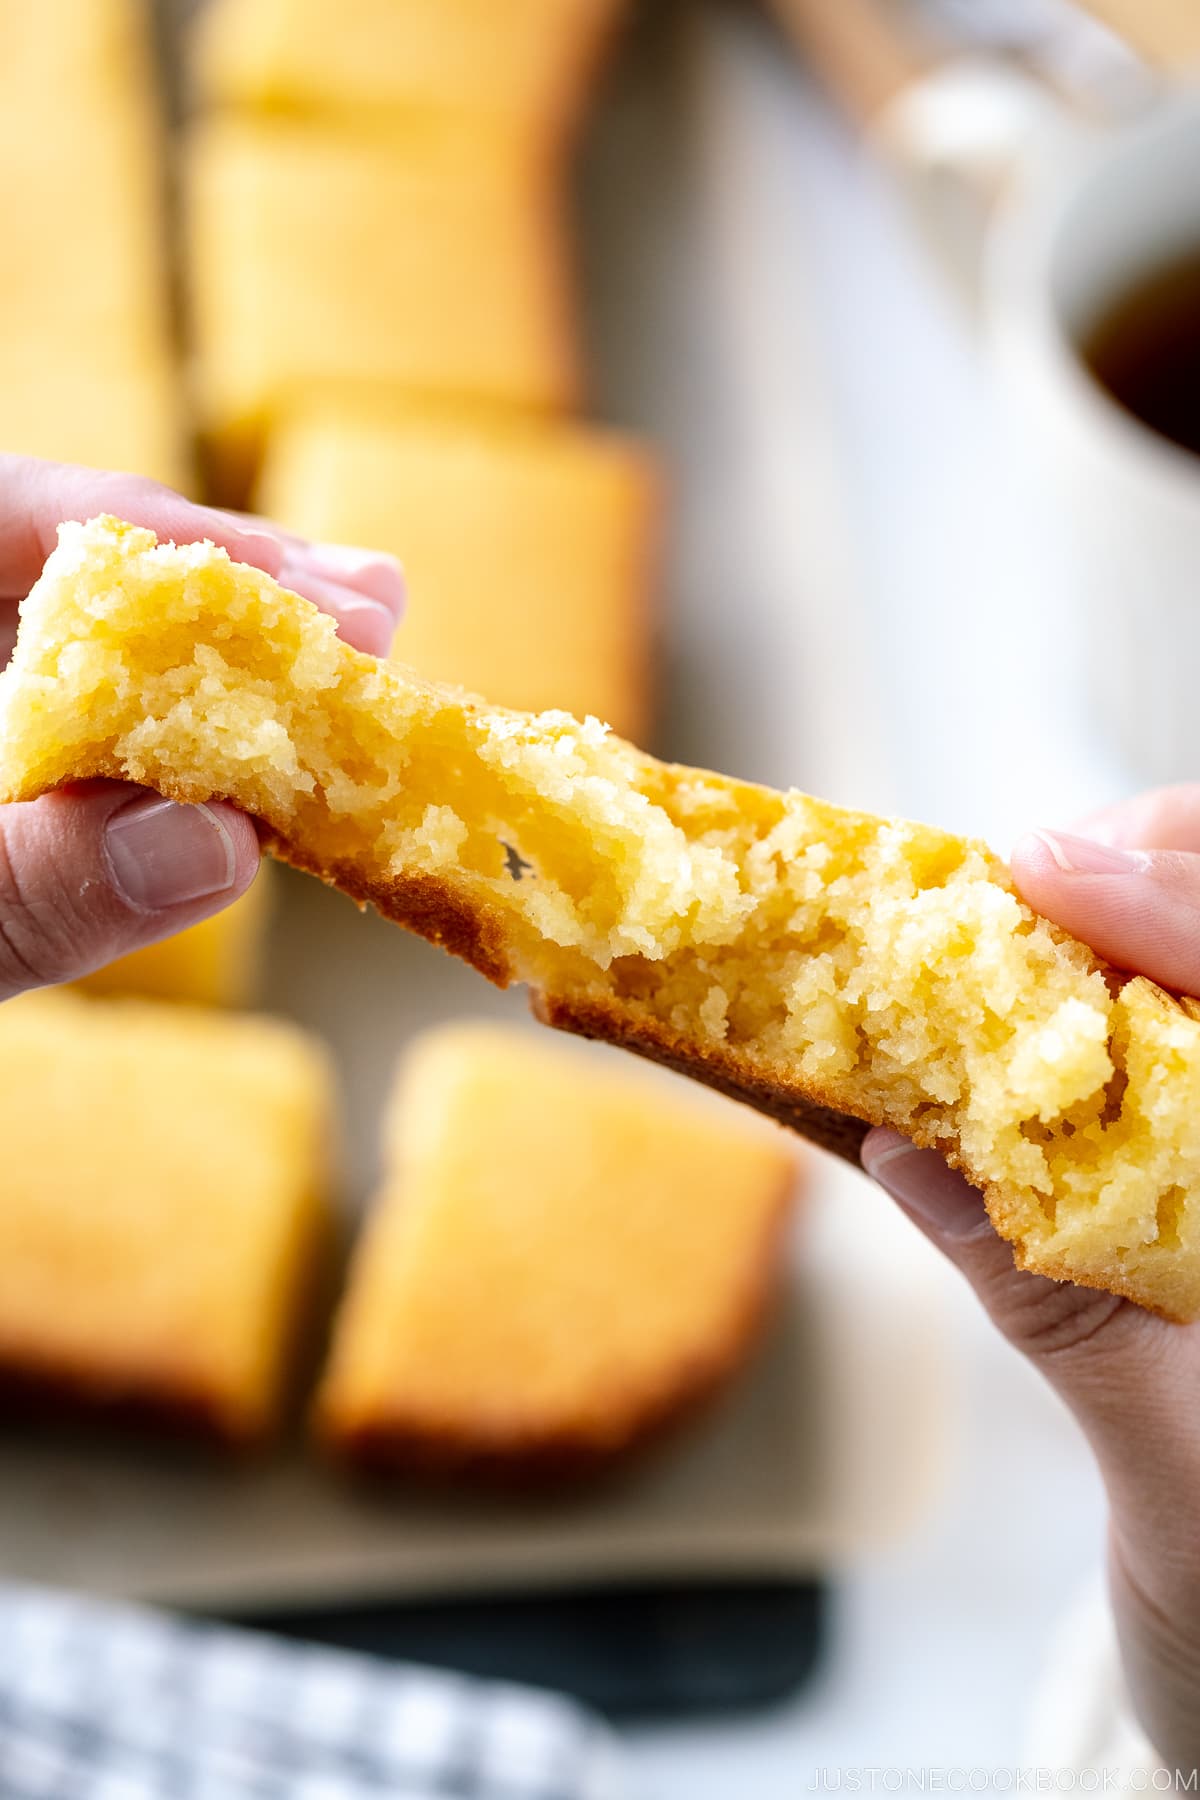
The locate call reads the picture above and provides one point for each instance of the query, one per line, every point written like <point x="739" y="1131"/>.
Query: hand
<point x="92" y="872"/>
<point x="1131" y="888"/>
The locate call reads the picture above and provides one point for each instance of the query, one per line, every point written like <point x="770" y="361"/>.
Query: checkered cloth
<point x="102" y="1702"/>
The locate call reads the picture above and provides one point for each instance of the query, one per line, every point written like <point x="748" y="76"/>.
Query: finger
<point x="1155" y="1609"/>
<point x="92" y="872"/>
<point x="364" y="621"/>
<point x="373" y="573"/>
<point x="1166" y="818"/>
<point x="1041" y="1317"/>
<point x="1127" y="1375"/>
<point x="36" y="497"/>
<point x="1139" y="909"/>
<point x="362" y="590"/>
<point x="1129" y="1378"/>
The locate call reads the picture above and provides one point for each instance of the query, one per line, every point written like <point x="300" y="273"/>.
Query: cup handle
<point x="957" y="138"/>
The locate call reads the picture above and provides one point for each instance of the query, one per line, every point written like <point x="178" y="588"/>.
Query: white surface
<point x="936" y="1644"/>
<point x="1083" y="1717"/>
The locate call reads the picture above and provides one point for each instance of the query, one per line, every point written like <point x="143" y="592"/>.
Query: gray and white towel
<point x="105" y="1702"/>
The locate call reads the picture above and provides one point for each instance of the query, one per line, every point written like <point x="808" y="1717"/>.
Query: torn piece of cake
<point x="163" y="1194"/>
<point x="564" y="1259"/>
<point x="824" y="965"/>
<point x="528" y="548"/>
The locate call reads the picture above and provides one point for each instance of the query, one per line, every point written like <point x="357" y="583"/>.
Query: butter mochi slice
<point x="830" y="968"/>
<point x="163" y="1213"/>
<point x="522" y="1302"/>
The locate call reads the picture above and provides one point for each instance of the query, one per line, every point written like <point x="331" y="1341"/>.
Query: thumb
<point x="1130" y="1379"/>
<point x="1139" y="909"/>
<point x="94" y="871"/>
<point x="1102" y="1353"/>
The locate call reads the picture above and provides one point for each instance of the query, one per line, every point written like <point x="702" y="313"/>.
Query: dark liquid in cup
<point x="1146" y="351"/>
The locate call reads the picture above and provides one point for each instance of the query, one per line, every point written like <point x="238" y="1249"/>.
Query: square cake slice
<point x="86" y="362"/>
<point x="564" y="1257"/>
<point x="164" y="1186"/>
<point x="427" y="259"/>
<point x="529" y="551"/>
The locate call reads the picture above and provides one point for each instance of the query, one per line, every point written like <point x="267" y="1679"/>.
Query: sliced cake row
<point x="562" y="1259"/>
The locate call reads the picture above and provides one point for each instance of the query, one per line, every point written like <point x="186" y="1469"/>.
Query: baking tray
<point x="829" y="1443"/>
<point x="835" y="1438"/>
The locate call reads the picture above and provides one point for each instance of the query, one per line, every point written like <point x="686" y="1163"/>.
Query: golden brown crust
<point x="424" y="904"/>
<point x="802" y="1109"/>
<point x="511" y="1455"/>
<point x="389" y="1448"/>
<point x="427" y="905"/>
<point x="52" y="1391"/>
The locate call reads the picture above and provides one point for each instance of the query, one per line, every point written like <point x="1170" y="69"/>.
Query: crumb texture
<point x="768" y="941"/>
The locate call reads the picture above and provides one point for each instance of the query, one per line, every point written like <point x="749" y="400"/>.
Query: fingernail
<point x="926" y="1187"/>
<point x="372" y="572"/>
<point x="372" y="625"/>
<point x="262" y="548"/>
<point x="161" y="855"/>
<point x="1084" y="856"/>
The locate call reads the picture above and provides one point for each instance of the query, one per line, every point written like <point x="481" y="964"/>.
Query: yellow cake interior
<point x="562" y="1254"/>
<point x="886" y="967"/>
<point x="164" y="1190"/>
